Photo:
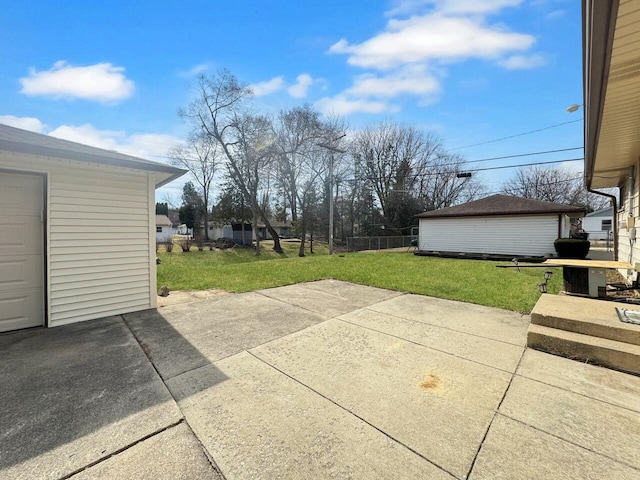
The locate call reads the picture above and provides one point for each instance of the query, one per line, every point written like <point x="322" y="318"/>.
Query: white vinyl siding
<point x="110" y="230"/>
<point x="507" y="235"/>
<point x="101" y="245"/>
<point x="163" y="233"/>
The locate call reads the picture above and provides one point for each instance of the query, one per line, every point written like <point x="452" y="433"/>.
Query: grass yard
<point x="473" y="281"/>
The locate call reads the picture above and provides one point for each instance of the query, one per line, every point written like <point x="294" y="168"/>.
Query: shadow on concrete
<point x="177" y="337"/>
<point x="74" y="394"/>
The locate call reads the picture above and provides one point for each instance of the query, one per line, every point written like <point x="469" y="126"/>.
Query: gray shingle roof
<point x="501" y="205"/>
<point x="22" y="141"/>
<point x="163" y="221"/>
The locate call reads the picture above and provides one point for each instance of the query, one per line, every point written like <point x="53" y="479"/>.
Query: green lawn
<point x="472" y="281"/>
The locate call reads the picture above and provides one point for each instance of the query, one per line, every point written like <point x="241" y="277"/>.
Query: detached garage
<point x="77" y="231"/>
<point x="496" y="225"/>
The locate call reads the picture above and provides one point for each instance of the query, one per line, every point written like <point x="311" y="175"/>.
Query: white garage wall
<point x="101" y="242"/>
<point x="509" y="235"/>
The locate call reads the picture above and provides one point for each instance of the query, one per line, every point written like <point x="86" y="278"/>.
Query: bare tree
<point x="408" y="171"/>
<point x="171" y="200"/>
<point x="219" y="111"/>
<point x="553" y="184"/>
<point x="251" y="169"/>
<point x="200" y="155"/>
<point x="302" y="162"/>
<point x="442" y="185"/>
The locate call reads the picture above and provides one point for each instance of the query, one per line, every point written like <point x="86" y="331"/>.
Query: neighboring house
<point x="77" y="239"/>
<point x="283" y="229"/>
<point x="496" y="225"/>
<point x="177" y="227"/>
<point x="164" y="229"/>
<point x="598" y="224"/>
<point x="234" y="231"/>
<point x="611" y="49"/>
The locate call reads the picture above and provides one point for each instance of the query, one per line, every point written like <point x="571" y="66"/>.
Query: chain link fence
<point x="358" y="244"/>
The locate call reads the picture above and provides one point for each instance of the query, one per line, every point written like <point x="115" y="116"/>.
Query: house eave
<point x="611" y="78"/>
<point x="18" y="141"/>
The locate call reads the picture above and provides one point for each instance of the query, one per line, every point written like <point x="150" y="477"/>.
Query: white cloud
<point x="26" y="123"/>
<point x="555" y="14"/>
<point x="577" y="166"/>
<point x="267" y="88"/>
<point x="342" y="104"/>
<point x="412" y="80"/>
<point x="195" y="70"/>
<point x="102" y="82"/>
<point x="299" y="89"/>
<point x="152" y="146"/>
<point x="412" y="7"/>
<point x="434" y="37"/>
<point x="422" y="37"/>
<point x="522" y="62"/>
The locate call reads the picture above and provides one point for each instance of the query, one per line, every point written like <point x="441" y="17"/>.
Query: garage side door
<point x="21" y="251"/>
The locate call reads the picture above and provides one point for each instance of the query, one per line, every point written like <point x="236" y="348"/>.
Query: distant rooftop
<point x="605" y="212"/>
<point x="501" y="205"/>
<point x="163" y="221"/>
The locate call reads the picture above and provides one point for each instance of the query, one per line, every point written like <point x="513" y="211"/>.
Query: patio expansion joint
<point x="582" y="447"/>
<point x="120" y="450"/>
<point x="354" y="414"/>
<point x="430" y="347"/>
<point x="495" y="414"/>
<point x="206" y="453"/>
<point x="209" y="458"/>
<point x="584" y="395"/>
<point x="297" y="306"/>
<point x="443" y="328"/>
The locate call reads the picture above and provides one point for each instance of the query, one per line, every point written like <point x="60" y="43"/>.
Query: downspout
<point x="614" y="201"/>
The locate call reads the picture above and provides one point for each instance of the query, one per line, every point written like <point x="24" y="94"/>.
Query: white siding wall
<point x="165" y="235"/>
<point x="517" y="235"/>
<point x="101" y="247"/>
<point x="593" y="225"/>
<point x="628" y="247"/>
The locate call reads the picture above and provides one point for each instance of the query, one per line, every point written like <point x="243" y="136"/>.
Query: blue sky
<point x="113" y="74"/>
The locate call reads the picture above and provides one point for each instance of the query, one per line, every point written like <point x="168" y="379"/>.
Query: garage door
<point x="21" y="251"/>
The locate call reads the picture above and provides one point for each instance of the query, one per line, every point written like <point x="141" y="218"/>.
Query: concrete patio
<point x="318" y="380"/>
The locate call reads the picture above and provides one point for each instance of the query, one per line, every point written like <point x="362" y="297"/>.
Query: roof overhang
<point x="30" y="143"/>
<point x="611" y="76"/>
<point x="570" y="213"/>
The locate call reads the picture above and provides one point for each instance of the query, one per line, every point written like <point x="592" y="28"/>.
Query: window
<point x="606" y="225"/>
<point x="158" y="229"/>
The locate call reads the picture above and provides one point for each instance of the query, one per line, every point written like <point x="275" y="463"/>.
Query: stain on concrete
<point x="432" y="383"/>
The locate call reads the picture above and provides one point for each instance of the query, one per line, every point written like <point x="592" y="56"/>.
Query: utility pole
<point x="332" y="149"/>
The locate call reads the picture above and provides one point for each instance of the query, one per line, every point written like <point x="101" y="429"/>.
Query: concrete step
<point x="608" y="353"/>
<point x="587" y="316"/>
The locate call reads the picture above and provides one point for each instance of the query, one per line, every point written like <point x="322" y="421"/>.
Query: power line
<point x="524" y="155"/>
<point x="516" y="135"/>
<point x="482" y="169"/>
<point x="524" y="165"/>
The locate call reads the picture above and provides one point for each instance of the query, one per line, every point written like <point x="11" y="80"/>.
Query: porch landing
<point x="587" y="330"/>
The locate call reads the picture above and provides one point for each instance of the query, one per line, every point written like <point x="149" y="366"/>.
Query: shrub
<point x="223" y="243"/>
<point x="168" y="246"/>
<point x="199" y="241"/>
<point x="572" y="247"/>
<point x="185" y="243"/>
